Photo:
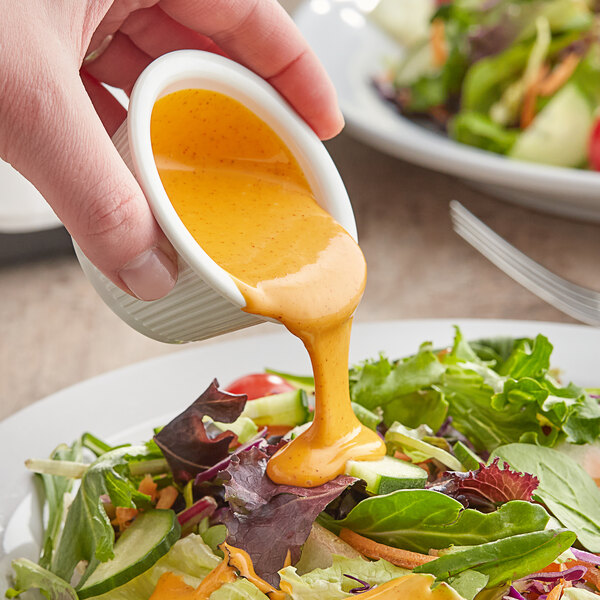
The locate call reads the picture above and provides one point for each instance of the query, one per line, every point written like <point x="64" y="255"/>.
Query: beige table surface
<point x="55" y="330"/>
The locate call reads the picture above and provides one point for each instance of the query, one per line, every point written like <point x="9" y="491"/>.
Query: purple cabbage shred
<point x="588" y="557"/>
<point x="364" y="586"/>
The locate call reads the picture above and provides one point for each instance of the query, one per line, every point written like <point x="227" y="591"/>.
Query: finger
<point x="261" y="35"/>
<point x="109" y="109"/>
<point x="86" y="182"/>
<point x="120" y="64"/>
<point x="155" y="33"/>
<point x="114" y="18"/>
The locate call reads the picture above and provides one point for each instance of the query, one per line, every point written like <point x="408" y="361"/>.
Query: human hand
<point x="55" y="120"/>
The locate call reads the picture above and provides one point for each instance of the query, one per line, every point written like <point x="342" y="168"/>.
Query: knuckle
<point x="110" y="216"/>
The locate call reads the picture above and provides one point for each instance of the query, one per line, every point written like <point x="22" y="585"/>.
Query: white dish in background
<point x="22" y="208"/>
<point x="354" y="50"/>
<point x="124" y="405"/>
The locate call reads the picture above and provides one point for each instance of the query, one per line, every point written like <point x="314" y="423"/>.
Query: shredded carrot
<point x="556" y="591"/>
<point x="438" y="43"/>
<point x="559" y="75"/>
<point x="597" y="480"/>
<point x="124" y="517"/>
<point x="288" y="559"/>
<point x="401" y="456"/>
<point x="167" y="497"/>
<point x="148" y="487"/>
<point x="371" y="549"/>
<point x="530" y="98"/>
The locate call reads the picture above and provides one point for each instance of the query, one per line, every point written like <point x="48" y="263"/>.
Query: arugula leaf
<point x="420" y="520"/>
<point x="503" y="560"/>
<point x="569" y="493"/>
<point x="55" y="488"/>
<point x="28" y="575"/>
<point x="87" y="533"/>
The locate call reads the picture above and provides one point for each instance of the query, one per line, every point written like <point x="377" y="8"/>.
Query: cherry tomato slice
<point x="258" y="385"/>
<point x="594" y="147"/>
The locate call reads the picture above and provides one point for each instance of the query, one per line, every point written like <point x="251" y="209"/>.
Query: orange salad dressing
<point x="242" y="195"/>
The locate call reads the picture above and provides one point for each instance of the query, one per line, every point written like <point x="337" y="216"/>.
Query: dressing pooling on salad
<point x="241" y="194"/>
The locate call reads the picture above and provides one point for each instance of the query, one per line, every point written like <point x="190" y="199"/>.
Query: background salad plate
<point x="125" y="404"/>
<point x="353" y="50"/>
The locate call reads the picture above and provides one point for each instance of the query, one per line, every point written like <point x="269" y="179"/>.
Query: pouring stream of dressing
<point x="241" y="194"/>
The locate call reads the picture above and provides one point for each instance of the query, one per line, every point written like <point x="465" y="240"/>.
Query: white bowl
<point x="205" y="302"/>
<point x="354" y="50"/>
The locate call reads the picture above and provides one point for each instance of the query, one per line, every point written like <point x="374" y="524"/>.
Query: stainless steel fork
<point x="574" y="300"/>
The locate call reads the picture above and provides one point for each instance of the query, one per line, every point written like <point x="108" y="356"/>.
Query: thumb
<point x="58" y="142"/>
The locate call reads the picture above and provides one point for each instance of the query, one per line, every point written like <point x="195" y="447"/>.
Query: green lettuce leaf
<point x="55" y="488"/>
<point x="497" y="392"/>
<point x="420" y="520"/>
<point x="402" y="389"/>
<point x="478" y="129"/>
<point x="28" y="576"/>
<point x="568" y="492"/>
<point x="87" y="533"/>
<point x="330" y="583"/>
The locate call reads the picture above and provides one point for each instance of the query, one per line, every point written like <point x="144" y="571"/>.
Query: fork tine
<point x="529" y="273"/>
<point x="536" y="272"/>
<point x="463" y="218"/>
<point x="575" y="300"/>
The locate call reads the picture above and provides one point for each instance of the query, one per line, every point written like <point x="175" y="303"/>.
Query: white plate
<point x="353" y="50"/>
<point x="124" y="405"/>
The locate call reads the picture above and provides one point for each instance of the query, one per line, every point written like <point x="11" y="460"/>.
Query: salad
<point x="489" y="490"/>
<point x="516" y="77"/>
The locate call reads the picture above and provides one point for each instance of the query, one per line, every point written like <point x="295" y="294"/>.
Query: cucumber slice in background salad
<point x="149" y="538"/>
<point x="559" y="134"/>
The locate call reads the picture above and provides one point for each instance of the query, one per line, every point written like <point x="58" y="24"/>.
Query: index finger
<point x="260" y="35"/>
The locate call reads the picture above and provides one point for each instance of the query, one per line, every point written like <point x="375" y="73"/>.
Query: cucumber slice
<point x="149" y="538"/>
<point x="289" y="408"/>
<point x="387" y="475"/>
<point x="467" y="457"/>
<point x="560" y="132"/>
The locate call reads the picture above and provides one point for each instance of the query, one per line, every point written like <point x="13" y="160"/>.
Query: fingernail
<point x="149" y="276"/>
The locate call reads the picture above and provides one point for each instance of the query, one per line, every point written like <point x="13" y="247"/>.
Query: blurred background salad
<point x="515" y="77"/>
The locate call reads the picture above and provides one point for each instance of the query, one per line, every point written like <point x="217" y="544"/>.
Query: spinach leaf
<point x="503" y="560"/>
<point x="419" y="520"/>
<point x="568" y="492"/>
<point x="87" y="533"/>
<point x="55" y="488"/>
